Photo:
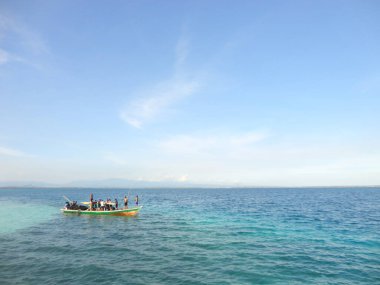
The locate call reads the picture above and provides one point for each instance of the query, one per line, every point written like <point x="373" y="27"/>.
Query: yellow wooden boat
<point x="122" y="212"/>
<point x="73" y="208"/>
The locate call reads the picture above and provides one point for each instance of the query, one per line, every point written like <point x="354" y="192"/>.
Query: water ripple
<point x="216" y="236"/>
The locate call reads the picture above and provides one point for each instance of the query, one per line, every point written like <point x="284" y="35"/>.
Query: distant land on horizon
<point x="126" y="183"/>
<point x="103" y="183"/>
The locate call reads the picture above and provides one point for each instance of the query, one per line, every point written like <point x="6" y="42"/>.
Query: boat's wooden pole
<point x="67" y="199"/>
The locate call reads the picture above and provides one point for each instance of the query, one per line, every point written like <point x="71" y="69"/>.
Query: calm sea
<point x="194" y="236"/>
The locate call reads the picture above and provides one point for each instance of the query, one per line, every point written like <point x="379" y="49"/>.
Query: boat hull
<point x="124" y="212"/>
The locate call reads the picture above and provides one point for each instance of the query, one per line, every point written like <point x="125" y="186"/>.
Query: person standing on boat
<point x="125" y="202"/>
<point x="137" y="200"/>
<point x="116" y="204"/>
<point x="91" y="201"/>
<point x="107" y="204"/>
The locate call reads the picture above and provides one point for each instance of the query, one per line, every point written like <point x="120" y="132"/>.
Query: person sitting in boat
<point x="69" y="205"/>
<point x="137" y="200"/>
<point x="74" y="206"/>
<point x="125" y="202"/>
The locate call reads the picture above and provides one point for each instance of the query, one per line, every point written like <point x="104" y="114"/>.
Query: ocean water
<point x="194" y="236"/>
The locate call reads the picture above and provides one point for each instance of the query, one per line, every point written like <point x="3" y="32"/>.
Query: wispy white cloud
<point x="206" y="144"/>
<point x="114" y="158"/>
<point x="164" y="177"/>
<point x="4" y="56"/>
<point x="248" y="138"/>
<point x="184" y="144"/>
<point x="259" y="159"/>
<point x="141" y="168"/>
<point x="6" y="151"/>
<point x="183" y="178"/>
<point x="156" y="100"/>
<point x="182" y="51"/>
<point x="26" y="43"/>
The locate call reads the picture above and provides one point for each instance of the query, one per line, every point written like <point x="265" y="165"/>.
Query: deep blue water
<point x="194" y="236"/>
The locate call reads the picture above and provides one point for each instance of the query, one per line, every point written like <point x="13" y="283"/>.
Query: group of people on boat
<point x="108" y="205"/>
<point x="100" y="204"/>
<point x="73" y="205"/>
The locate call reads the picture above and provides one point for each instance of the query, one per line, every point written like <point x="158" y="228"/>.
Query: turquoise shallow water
<point x="194" y="236"/>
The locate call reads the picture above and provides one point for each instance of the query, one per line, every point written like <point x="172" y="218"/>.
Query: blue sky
<point x="262" y="93"/>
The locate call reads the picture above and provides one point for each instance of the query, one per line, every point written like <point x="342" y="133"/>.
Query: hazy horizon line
<point x="185" y="187"/>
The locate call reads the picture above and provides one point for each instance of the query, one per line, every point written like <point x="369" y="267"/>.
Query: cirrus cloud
<point x="220" y="143"/>
<point x="4" y="56"/>
<point x="6" y="151"/>
<point x="156" y="100"/>
<point x="19" y="43"/>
